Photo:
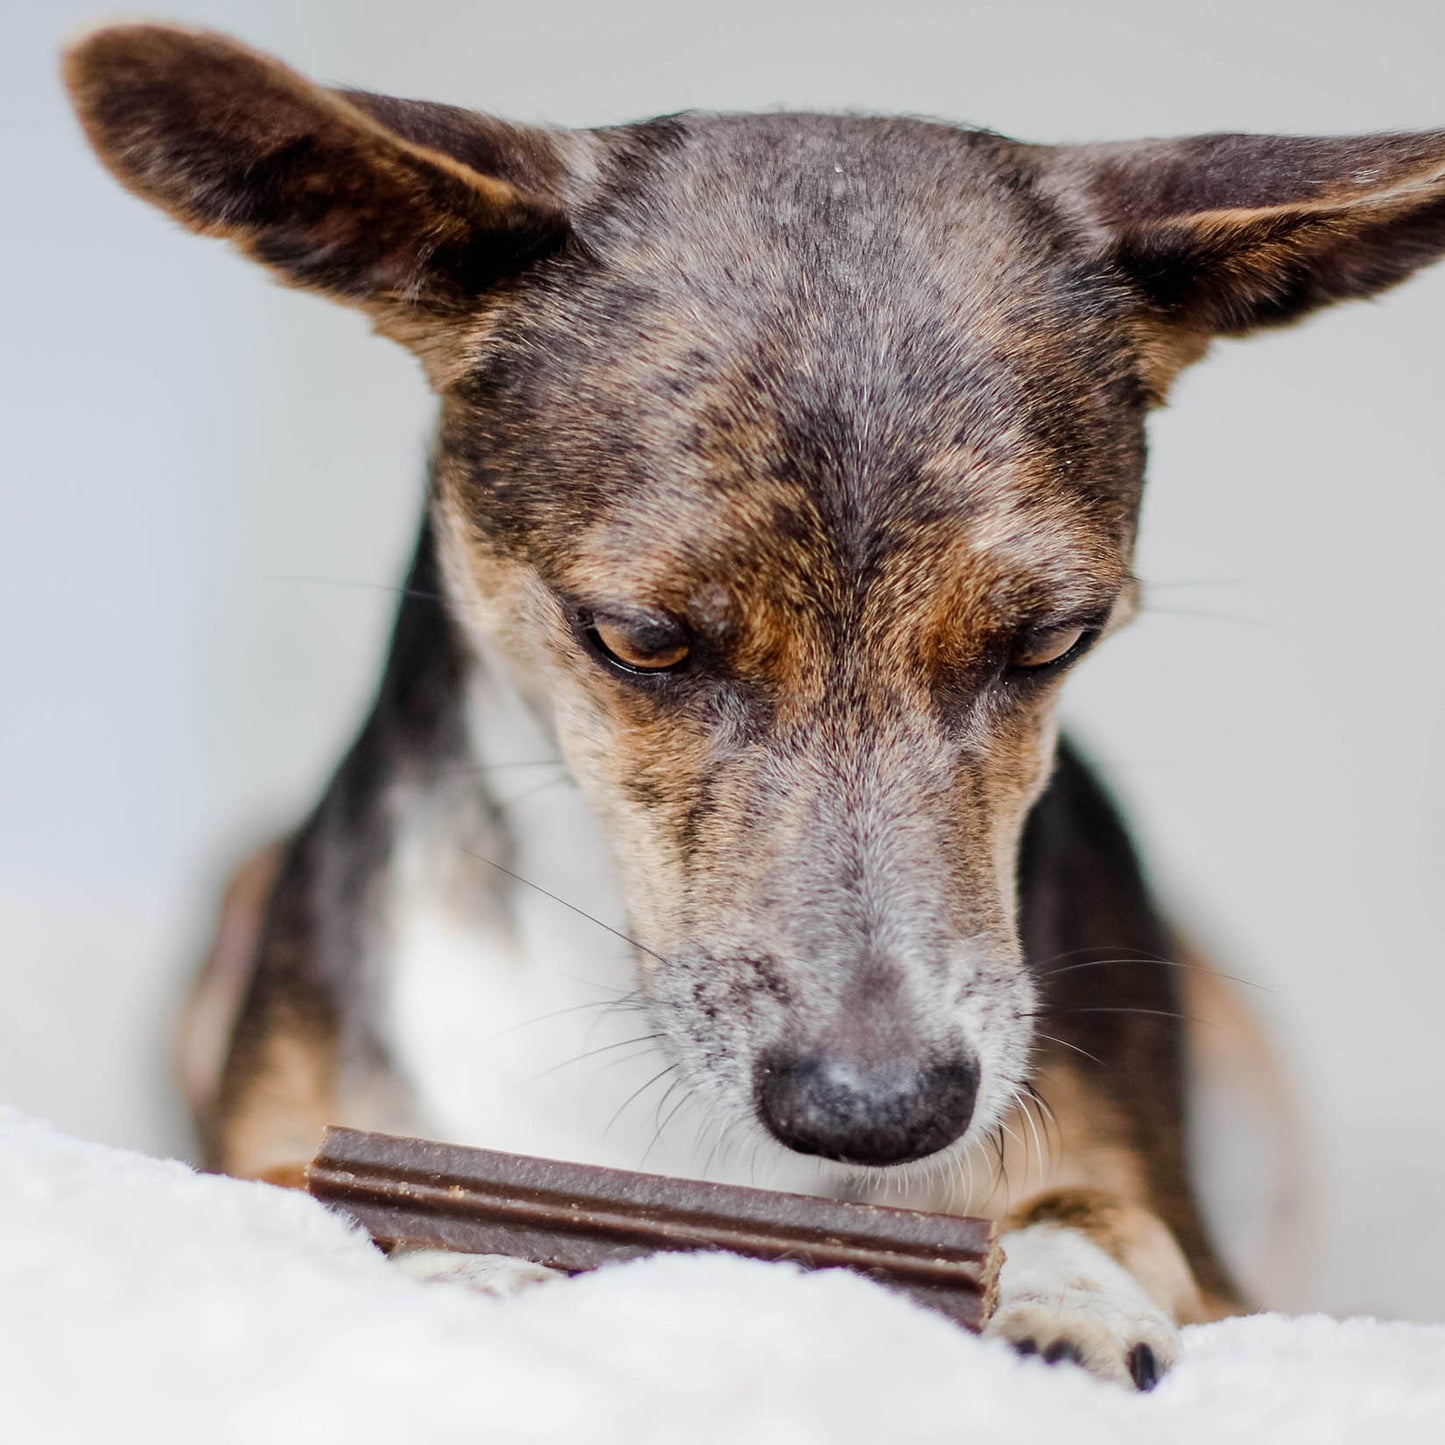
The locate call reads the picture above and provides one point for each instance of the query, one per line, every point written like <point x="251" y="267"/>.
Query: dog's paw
<point x="492" y="1274"/>
<point x="1063" y="1299"/>
<point x="1129" y="1349"/>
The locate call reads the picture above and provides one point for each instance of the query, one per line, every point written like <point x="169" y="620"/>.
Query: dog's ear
<point x="1220" y="235"/>
<point x="408" y="211"/>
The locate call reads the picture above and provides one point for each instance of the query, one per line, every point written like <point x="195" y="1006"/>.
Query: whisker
<point x="580" y="912"/>
<point x="506" y="766"/>
<point x="722" y="1143"/>
<point x="1045" y="1112"/>
<point x="995" y="1138"/>
<point x="1162" y="1013"/>
<point x="1092" y="948"/>
<point x="1148" y="609"/>
<point x="592" y="1054"/>
<point x="960" y="1184"/>
<point x="1042" y="1072"/>
<point x="636" y="1094"/>
<point x="624" y="1059"/>
<point x="1151" y="961"/>
<point x="1178" y="584"/>
<point x="1001" y="1149"/>
<point x="1065" y="1044"/>
<point x="673" y="1113"/>
<point x="535" y="788"/>
<point x="631" y="999"/>
<point x="935" y="1176"/>
<point x="597" y="1003"/>
<point x="721" y="1129"/>
<point x="1022" y="1107"/>
<point x="352" y="582"/>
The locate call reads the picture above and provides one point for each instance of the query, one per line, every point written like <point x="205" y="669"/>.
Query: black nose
<point x="866" y="1113"/>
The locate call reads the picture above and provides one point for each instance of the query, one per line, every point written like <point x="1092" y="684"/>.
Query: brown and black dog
<point x="786" y="465"/>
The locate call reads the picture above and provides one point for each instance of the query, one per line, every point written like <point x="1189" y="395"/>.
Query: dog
<point x="786" y="465"/>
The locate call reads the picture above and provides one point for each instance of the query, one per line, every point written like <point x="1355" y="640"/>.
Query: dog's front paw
<point x="1080" y="1327"/>
<point x="493" y="1274"/>
<point x="1063" y="1299"/>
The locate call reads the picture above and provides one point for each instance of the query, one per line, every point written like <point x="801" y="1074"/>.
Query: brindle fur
<point x="856" y="400"/>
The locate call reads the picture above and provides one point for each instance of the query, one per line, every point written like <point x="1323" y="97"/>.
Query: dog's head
<point x="791" y="462"/>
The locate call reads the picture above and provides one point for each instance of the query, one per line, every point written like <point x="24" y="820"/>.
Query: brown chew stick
<point x="575" y="1217"/>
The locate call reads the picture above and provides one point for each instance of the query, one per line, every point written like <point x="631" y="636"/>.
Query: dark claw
<point x="1144" y="1367"/>
<point x="1063" y="1350"/>
<point x="1025" y="1347"/>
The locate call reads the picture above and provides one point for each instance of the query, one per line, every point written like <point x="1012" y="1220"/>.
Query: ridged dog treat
<point x="575" y="1217"/>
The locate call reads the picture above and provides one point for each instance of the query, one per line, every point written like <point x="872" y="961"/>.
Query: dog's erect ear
<point x="1223" y="234"/>
<point x="375" y="202"/>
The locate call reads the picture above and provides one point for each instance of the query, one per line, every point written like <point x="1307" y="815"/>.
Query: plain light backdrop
<point x="210" y="486"/>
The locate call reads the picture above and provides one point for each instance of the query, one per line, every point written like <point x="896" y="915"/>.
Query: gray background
<point x="210" y="484"/>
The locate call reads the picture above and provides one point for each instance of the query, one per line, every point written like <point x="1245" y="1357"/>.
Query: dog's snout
<point x="861" y="1113"/>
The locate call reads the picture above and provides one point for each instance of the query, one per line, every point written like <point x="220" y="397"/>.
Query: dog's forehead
<point x="862" y="331"/>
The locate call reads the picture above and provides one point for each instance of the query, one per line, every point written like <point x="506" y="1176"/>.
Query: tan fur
<point x="289" y="1098"/>
<point x="1128" y="1233"/>
<point x="204" y="1033"/>
<point x="1164" y="350"/>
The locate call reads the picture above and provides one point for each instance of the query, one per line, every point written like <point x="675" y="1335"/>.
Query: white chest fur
<point x="510" y="1008"/>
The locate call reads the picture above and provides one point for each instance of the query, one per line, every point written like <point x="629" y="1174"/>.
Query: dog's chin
<point x="960" y="1177"/>
<point x="954" y="1179"/>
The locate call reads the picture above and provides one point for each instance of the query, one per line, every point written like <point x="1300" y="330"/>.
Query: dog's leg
<point x="1112" y="1256"/>
<point x="214" y="1002"/>
<point x="1095" y="1281"/>
<point x="306" y="1046"/>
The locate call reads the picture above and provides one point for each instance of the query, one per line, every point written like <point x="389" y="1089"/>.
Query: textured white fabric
<point x="140" y="1301"/>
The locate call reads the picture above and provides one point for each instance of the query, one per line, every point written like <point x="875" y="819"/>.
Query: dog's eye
<point x="646" y="648"/>
<point x="1042" y="647"/>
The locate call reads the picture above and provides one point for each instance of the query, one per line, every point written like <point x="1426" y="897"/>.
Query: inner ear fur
<point x="1225" y="234"/>
<point x="359" y="197"/>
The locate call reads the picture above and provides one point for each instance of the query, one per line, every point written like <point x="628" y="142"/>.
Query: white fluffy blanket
<point x="140" y="1301"/>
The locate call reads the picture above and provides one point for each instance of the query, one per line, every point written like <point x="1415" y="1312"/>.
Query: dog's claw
<point x="1143" y="1367"/>
<point x="1055" y="1353"/>
<point x="1064" y="1350"/>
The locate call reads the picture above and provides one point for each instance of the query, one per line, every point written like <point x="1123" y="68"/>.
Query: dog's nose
<point x="866" y="1113"/>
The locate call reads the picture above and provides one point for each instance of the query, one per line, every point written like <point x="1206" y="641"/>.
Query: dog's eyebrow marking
<point x="1023" y="578"/>
<point x="627" y="614"/>
<point x="713" y="607"/>
<point x="1074" y="599"/>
